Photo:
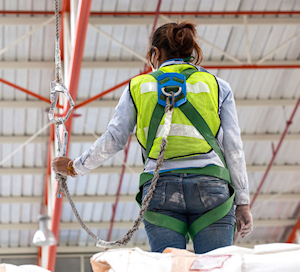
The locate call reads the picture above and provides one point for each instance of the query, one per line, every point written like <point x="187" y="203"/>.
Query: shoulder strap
<point x="188" y="72"/>
<point x="199" y="123"/>
<point x="157" y="115"/>
<point x="156" y="73"/>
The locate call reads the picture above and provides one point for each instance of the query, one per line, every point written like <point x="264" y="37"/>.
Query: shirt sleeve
<point x="113" y="140"/>
<point x="232" y="143"/>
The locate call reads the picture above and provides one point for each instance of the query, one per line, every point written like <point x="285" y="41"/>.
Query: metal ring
<point x="169" y="94"/>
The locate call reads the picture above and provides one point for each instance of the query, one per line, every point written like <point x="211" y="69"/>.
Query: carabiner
<point x="55" y="89"/>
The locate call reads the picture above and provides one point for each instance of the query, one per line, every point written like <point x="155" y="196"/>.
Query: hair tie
<point x="189" y="58"/>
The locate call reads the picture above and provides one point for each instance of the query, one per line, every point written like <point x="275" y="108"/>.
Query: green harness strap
<point x="213" y="170"/>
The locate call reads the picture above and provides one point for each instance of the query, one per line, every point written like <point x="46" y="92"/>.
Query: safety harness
<point x="176" y="83"/>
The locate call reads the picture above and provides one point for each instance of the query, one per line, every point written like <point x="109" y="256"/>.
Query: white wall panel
<point x="82" y="237"/>
<point x="4" y="238"/>
<point x="5" y="185"/>
<point x="97" y="81"/>
<point x="109" y="5"/>
<point x="103" y="184"/>
<point x="87" y="211"/>
<point x="97" y="211"/>
<point x="35" y="212"/>
<point x="6" y="151"/>
<point x="25" y="213"/>
<point x="73" y="237"/>
<point x="96" y="5"/>
<point x="103" y="43"/>
<point x="38" y="185"/>
<point x="113" y="183"/>
<point x="16" y="185"/>
<point x="24" y="238"/>
<point x="81" y="184"/>
<point x="107" y="212"/>
<point x="92" y="184"/>
<point x="90" y="44"/>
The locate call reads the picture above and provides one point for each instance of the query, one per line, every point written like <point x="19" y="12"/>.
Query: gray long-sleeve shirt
<point x="124" y="121"/>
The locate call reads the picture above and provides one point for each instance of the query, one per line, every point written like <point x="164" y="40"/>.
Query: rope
<point x="62" y="180"/>
<point x="57" y="46"/>
<point x="127" y="237"/>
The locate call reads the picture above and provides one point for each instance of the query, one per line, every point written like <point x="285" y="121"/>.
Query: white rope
<point x="25" y="143"/>
<point x="26" y="35"/>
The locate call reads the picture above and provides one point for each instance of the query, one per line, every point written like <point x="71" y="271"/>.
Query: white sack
<point x="267" y="258"/>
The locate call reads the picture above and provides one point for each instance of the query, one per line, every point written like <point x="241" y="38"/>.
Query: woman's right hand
<point x="60" y="165"/>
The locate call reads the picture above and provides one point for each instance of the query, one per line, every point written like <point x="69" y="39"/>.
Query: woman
<point x="192" y="180"/>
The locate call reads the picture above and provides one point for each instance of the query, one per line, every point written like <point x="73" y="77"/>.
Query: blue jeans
<point x="187" y="197"/>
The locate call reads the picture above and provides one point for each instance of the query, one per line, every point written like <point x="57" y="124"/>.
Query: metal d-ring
<point x="169" y="94"/>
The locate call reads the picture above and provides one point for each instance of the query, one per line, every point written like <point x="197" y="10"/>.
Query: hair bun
<point x="181" y="37"/>
<point x="178" y="40"/>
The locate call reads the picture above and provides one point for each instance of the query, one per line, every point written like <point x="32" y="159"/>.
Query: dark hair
<point x="178" y="40"/>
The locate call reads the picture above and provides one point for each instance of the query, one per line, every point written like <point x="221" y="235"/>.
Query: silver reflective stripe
<point x="177" y="130"/>
<point x="198" y="87"/>
<point x="148" y="87"/>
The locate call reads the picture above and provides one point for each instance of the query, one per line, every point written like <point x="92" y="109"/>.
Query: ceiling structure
<point x="253" y="44"/>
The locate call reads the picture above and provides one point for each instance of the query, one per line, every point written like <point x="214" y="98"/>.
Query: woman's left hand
<point x="244" y="221"/>
<point x="60" y="165"/>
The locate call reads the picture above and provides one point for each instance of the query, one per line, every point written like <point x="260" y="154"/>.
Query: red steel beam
<point x="167" y="13"/>
<point x="83" y="13"/>
<point x="125" y="82"/>
<point x="26" y="91"/>
<point x="292" y="236"/>
<point x="275" y="152"/>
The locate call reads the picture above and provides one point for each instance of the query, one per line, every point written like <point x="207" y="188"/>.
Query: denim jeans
<point x="187" y="197"/>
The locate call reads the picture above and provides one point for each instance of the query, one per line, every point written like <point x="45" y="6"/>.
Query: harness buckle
<point x="171" y="85"/>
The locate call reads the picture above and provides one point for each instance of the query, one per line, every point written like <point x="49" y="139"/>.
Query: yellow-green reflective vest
<point x="184" y="139"/>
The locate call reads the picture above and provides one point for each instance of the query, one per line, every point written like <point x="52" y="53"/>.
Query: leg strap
<point x="202" y="222"/>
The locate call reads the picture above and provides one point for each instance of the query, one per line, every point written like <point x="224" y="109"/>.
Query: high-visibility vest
<point x="184" y="139"/>
<point x="193" y="118"/>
